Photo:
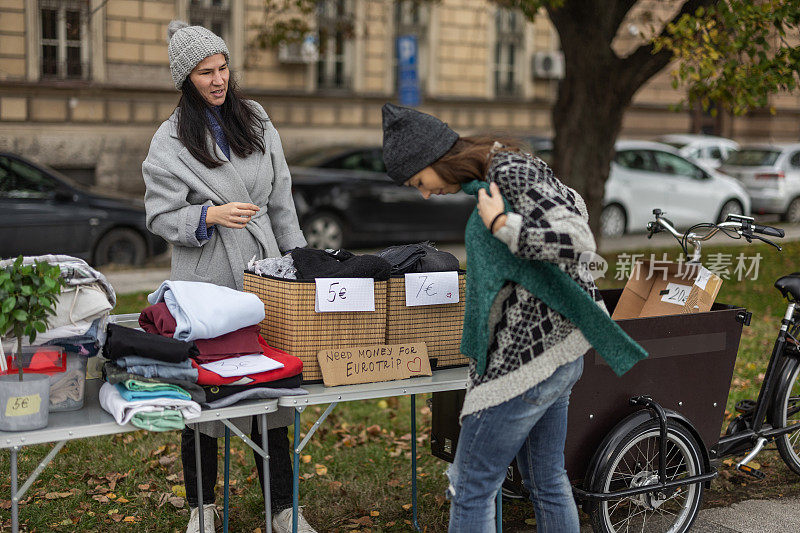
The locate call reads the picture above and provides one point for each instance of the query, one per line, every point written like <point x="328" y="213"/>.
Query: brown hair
<point x="469" y="158"/>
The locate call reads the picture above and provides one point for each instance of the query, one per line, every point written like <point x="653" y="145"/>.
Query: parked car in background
<point x="771" y="175"/>
<point x="344" y="198"/>
<point x="645" y="175"/>
<point x="44" y="212"/>
<point x="707" y="150"/>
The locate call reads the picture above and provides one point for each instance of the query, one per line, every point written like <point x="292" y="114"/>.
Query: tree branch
<point x="643" y="64"/>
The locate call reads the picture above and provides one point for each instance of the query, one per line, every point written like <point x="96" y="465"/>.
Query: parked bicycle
<point x="664" y="457"/>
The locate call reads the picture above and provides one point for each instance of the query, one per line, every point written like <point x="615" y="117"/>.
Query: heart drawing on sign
<point x="449" y="295"/>
<point x="415" y="365"/>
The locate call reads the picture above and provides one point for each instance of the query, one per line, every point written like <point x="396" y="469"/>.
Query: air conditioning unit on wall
<point x="548" y="65"/>
<point x="300" y="52"/>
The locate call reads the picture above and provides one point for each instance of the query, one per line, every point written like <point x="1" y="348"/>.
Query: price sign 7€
<point x="344" y="294"/>
<point x="431" y="288"/>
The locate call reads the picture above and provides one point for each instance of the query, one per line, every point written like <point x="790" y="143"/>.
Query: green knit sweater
<point x="491" y="264"/>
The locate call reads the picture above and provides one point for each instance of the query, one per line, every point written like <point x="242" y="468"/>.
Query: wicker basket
<point x="438" y="326"/>
<point x="292" y="325"/>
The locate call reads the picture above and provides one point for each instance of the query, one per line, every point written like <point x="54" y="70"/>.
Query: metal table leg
<point x="265" y="459"/>
<point x="414" y="512"/>
<point x="198" y="467"/>
<point x="14" y="497"/>
<point x="296" y="480"/>
<point x="226" y="490"/>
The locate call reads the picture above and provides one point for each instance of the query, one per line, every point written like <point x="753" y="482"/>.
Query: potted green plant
<point x="28" y="296"/>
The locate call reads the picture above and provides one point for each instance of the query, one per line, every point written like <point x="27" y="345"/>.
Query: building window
<point x="335" y="26"/>
<point x="509" y="45"/>
<point x="212" y="14"/>
<point x="64" y="39"/>
<point x="411" y="18"/>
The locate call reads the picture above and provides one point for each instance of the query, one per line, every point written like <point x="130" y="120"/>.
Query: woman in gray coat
<point x="219" y="189"/>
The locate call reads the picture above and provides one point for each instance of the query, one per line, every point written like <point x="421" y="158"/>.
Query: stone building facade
<point x="85" y="83"/>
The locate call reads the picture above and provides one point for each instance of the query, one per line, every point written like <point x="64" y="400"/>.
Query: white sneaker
<point x="209" y="518"/>
<point x="282" y="522"/>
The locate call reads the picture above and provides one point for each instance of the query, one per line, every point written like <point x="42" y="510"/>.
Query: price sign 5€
<point x="344" y="294"/>
<point x="431" y="288"/>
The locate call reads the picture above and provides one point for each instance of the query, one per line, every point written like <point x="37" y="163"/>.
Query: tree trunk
<point x="587" y="117"/>
<point x="583" y="146"/>
<point x="597" y="88"/>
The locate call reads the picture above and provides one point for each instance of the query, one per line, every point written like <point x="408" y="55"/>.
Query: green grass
<point x="357" y="472"/>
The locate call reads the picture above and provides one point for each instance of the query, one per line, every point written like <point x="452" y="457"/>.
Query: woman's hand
<point x="233" y="215"/>
<point x="490" y="205"/>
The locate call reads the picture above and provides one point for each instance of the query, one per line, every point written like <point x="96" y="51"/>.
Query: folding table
<point x="442" y="380"/>
<point x="93" y="421"/>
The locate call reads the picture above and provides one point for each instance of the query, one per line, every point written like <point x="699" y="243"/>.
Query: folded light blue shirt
<point x="205" y="311"/>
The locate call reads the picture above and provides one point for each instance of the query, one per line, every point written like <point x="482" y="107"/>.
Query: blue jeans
<point x="532" y="427"/>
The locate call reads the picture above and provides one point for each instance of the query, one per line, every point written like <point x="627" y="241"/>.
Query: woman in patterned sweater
<point x="517" y="397"/>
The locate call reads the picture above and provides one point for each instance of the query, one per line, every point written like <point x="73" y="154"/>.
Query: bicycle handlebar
<point x="768" y="230"/>
<point x="744" y="226"/>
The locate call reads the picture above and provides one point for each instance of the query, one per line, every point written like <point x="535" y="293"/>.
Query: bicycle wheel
<point x="786" y="411"/>
<point x="634" y="463"/>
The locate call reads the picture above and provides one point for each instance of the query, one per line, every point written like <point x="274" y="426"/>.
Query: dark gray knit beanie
<point x="189" y="45"/>
<point x="412" y="140"/>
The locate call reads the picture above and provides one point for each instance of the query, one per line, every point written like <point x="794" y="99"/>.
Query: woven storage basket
<point x="292" y="325"/>
<point x="438" y="326"/>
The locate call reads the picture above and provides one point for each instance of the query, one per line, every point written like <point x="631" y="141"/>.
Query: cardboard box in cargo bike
<point x="292" y="323"/>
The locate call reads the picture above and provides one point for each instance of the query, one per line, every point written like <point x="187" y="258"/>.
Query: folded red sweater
<point x="157" y="319"/>
<point x="292" y="366"/>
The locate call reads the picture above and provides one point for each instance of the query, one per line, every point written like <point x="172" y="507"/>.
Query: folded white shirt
<point x="123" y="411"/>
<point x="205" y="311"/>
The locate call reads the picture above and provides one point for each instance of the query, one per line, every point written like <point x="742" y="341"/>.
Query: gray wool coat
<point x="178" y="185"/>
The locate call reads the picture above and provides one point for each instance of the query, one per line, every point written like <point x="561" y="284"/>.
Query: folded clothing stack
<point x="154" y="392"/>
<point x="221" y="324"/>
<point x="157" y="409"/>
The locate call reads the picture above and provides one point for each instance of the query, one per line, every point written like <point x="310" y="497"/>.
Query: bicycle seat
<point x="790" y="286"/>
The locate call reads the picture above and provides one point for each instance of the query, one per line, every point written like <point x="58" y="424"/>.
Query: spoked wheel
<point x="786" y="411"/>
<point x="633" y="464"/>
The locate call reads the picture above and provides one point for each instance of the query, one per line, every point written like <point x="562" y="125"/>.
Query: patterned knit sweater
<point x="529" y="340"/>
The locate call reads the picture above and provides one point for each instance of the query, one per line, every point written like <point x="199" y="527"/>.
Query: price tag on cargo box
<point x="675" y="293"/>
<point x="431" y="288"/>
<point x="344" y="294"/>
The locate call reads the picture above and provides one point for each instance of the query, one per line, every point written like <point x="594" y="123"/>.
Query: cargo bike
<point x="640" y="449"/>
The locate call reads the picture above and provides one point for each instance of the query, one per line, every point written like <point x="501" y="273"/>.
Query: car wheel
<point x="324" y="230"/>
<point x="122" y="246"/>
<point x="731" y="207"/>
<point x="793" y="211"/>
<point x="613" y="221"/>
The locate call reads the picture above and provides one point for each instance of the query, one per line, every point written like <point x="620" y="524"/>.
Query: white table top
<point x="92" y="420"/>
<point x="442" y="380"/>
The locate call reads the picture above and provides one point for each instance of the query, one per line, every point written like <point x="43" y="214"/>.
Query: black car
<point x="44" y="212"/>
<point x="344" y="198"/>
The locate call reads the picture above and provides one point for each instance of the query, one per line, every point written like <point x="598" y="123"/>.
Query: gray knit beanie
<point x="189" y="45"/>
<point x="412" y="140"/>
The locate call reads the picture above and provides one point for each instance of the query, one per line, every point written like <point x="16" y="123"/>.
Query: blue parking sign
<point x="407" y="78"/>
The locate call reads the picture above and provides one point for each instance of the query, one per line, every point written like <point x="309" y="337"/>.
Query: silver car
<point x="771" y="175"/>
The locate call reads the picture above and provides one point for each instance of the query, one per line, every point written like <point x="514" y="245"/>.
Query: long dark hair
<point x="469" y="158"/>
<point x="243" y="127"/>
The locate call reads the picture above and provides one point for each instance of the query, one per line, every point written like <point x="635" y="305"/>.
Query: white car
<point x="707" y="150"/>
<point x="646" y="175"/>
<point x="771" y="175"/>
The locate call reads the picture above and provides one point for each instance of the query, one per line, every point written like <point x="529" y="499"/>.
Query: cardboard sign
<point x="23" y="405"/>
<point x="431" y="288"/>
<point x="367" y="364"/>
<point x="344" y="294"/>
